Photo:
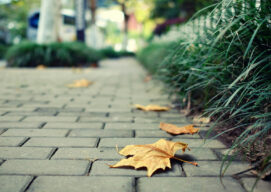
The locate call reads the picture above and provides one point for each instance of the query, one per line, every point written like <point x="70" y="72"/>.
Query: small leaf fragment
<point x="198" y="119"/>
<point x="173" y="129"/>
<point x="151" y="107"/>
<point x="152" y="156"/>
<point x="80" y="83"/>
<point x="41" y="67"/>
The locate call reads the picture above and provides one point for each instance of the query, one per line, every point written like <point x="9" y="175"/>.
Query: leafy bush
<point x="153" y="54"/>
<point x="109" y="52"/>
<point x="3" y="50"/>
<point x="29" y="54"/>
<point x="223" y="66"/>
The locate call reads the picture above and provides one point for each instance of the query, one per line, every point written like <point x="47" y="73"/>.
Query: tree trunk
<point x="49" y="21"/>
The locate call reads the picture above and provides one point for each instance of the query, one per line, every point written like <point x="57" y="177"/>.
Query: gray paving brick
<point x="45" y="167"/>
<point x="122" y="142"/>
<point x="36" y="132"/>
<point x="24" y="152"/>
<point x="158" y="134"/>
<point x="184" y="184"/>
<point x="83" y="114"/>
<point x="212" y="168"/>
<point x="201" y="143"/>
<point x="35" y="113"/>
<point x="132" y="126"/>
<point x="12" y="183"/>
<point x="49" y="119"/>
<point x="19" y="109"/>
<point x="11" y="141"/>
<point x="102" y="168"/>
<point x="262" y="186"/>
<point x="2" y="131"/>
<point x="107" y="110"/>
<point x="106" y="119"/>
<point x="62" y="125"/>
<point x="81" y="184"/>
<point x="197" y="154"/>
<point x="21" y="125"/>
<point x="87" y="153"/>
<point x="100" y="133"/>
<point x="10" y="118"/>
<point x="61" y="142"/>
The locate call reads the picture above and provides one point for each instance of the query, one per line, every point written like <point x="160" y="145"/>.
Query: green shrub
<point x="3" y="50"/>
<point x="109" y="52"/>
<point x="152" y="55"/>
<point x="29" y="54"/>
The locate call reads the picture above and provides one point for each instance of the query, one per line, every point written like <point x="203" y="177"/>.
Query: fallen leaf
<point x="151" y="107"/>
<point x="198" y="119"/>
<point x="41" y="67"/>
<point x="173" y="129"/>
<point x="80" y="83"/>
<point x="152" y="156"/>
<point x="147" y="78"/>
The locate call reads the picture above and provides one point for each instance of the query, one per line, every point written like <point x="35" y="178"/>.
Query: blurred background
<point x="116" y="24"/>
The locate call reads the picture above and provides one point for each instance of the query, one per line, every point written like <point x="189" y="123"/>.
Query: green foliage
<point x="29" y="54"/>
<point x="153" y="54"/>
<point x="224" y="68"/>
<point x="3" y="50"/>
<point x="109" y="52"/>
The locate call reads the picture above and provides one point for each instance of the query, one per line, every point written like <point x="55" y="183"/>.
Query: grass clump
<point x="222" y="66"/>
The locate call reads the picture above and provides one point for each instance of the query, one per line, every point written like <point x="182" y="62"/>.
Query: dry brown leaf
<point x="41" y="67"/>
<point x="198" y="119"/>
<point x="173" y="129"/>
<point x="147" y="78"/>
<point x="152" y="156"/>
<point x="151" y="107"/>
<point x="80" y="83"/>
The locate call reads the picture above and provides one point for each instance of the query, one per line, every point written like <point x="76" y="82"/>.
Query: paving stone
<point x="122" y="142"/>
<point x="50" y="119"/>
<point x="21" y="125"/>
<point x="11" y="141"/>
<point x="87" y="153"/>
<point x="101" y="168"/>
<point x="10" y="118"/>
<point x="2" y="131"/>
<point x="197" y="154"/>
<point x="262" y="186"/>
<point x="108" y="110"/>
<point x="186" y="184"/>
<point x="12" y="183"/>
<point x="61" y="142"/>
<point x="35" y="113"/>
<point x="83" y="114"/>
<point x="45" y="167"/>
<point x="201" y="143"/>
<point x="36" y="132"/>
<point x="81" y="184"/>
<point x="159" y="134"/>
<point x="19" y="109"/>
<point x="132" y="126"/>
<point x="24" y="152"/>
<point x="79" y="125"/>
<point x="158" y="120"/>
<point x="106" y="119"/>
<point x="100" y="133"/>
<point x="212" y="168"/>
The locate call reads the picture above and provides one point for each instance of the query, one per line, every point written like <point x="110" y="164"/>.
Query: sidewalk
<point x="53" y="138"/>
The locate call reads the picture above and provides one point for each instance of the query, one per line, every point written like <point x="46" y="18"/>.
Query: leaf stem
<point x="193" y="163"/>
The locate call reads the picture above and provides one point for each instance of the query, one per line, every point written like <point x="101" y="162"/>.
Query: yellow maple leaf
<point x="41" y="67"/>
<point x="151" y="107"/>
<point x="152" y="156"/>
<point x="173" y="129"/>
<point x="80" y="83"/>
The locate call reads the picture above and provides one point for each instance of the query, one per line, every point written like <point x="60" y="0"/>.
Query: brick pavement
<point x="53" y="138"/>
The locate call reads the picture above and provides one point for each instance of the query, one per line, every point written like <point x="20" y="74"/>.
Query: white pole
<point x="49" y="21"/>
